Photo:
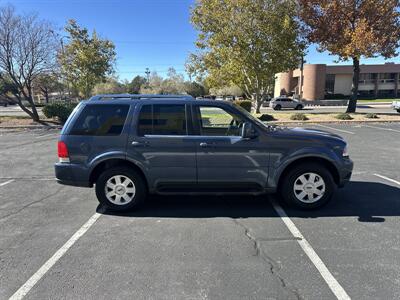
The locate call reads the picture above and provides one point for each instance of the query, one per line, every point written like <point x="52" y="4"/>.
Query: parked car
<point x="219" y="98"/>
<point x="129" y="146"/>
<point x="285" y="102"/>
<point x="396" y="106"/>
<point x="266" y="101"/>
<point x="3" y="102"/>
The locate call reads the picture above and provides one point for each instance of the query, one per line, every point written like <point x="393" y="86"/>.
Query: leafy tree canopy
<point x="86" y="60"/>
<point x="245" y="43"/>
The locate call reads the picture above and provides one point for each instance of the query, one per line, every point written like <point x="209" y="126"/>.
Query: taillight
<point x="63" y="152"/>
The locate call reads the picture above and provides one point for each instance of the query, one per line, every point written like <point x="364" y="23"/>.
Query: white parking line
<point x="333" y="284"/>
<point x="387" y="129"/>
<point x="7" y="182"/>
<point x="387" y="178"/>
<point x="332" y="128"/>
<point x="27" y="286"/>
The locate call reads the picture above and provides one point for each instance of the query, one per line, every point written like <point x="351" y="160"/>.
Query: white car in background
<point x="396" y="106"/>
<point x="285" y="102"/>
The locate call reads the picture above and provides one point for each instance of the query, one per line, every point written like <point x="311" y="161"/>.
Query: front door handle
<point x="203" y="144"/>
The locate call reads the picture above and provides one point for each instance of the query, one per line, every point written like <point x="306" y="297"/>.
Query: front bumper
<point x="346" y="171"/>
<point x="71" y="174"/>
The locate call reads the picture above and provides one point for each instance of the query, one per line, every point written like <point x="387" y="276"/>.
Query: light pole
<point x="148" y="76"/>
<point x="63" y="81"/>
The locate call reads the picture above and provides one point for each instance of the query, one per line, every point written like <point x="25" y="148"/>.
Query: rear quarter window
<point x="100" y="120"/>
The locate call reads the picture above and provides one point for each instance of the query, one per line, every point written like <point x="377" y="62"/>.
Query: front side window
<point x="215" y="121"/>
<point x="101" y="120"/>
<point x="162" y="119"/>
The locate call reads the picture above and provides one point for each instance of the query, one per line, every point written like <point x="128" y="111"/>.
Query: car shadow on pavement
<point x="368" y="201"/>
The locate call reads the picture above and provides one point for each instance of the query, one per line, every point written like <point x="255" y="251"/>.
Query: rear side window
<point x="162" y="119"/>
<point x="101" y="120"/>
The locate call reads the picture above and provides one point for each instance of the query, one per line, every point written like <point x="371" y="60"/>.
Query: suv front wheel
<point x="308" y="186"/>
<point x="120" y="189"/>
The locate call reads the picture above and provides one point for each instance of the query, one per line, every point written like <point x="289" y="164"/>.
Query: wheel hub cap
<point x="309" y="187"/>
<point x="120" y="190"/>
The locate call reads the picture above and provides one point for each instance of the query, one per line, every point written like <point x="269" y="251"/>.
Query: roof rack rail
<point x="139" y="96"/>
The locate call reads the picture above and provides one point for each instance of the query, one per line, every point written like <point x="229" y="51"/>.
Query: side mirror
<point x="248" y="131"/>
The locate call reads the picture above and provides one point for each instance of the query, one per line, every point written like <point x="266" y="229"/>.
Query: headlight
<point x="345" y="151"/>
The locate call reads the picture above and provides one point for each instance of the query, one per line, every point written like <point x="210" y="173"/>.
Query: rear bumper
<point x="70" y="174"/>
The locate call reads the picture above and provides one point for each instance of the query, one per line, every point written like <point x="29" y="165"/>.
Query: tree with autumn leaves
<point x="352" y="29"/>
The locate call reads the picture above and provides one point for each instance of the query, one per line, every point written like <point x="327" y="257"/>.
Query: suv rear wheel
<point x="278" y="107"/>
<point x="120" y="189"/>
<point x="308" y="186"/>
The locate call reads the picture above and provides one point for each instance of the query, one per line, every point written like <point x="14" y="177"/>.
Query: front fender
<point x="279" y="166"/>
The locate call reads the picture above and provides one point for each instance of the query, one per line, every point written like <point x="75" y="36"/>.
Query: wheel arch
<point x="115" y="162"/>
<point x="310" y="159"/>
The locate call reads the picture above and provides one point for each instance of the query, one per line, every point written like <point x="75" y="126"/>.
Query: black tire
<point x="299" y="107"/>
<point x="287" y="186"/>
<point x="398" y="110"/>
<point x="278" y="107"/>
<point x="138" y="181"/>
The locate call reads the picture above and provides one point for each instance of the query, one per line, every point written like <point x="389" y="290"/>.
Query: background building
<point x="321" y="81"/>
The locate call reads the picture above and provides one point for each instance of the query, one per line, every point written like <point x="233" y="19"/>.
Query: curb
<point x="30" y="127"/>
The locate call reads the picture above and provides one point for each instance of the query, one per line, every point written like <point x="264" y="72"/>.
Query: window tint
<point x="101" y="120"/>
<point x="215" y="121"/>
<point x="162" y="119"/>
<point x="145" y="120"/>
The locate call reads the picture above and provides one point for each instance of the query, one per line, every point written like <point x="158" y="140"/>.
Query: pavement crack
<point x="273" y="265"/>
<point x="30" y="204"/>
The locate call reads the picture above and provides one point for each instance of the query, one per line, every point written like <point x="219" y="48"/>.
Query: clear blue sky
<point x="147" y="33"/>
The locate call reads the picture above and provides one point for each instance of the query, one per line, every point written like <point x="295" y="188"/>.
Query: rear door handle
<point x="140" y="144"/>
<point x="203" y="145"/>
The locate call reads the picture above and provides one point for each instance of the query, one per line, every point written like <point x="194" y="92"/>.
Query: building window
<point x="330" y="84"/>
<point x="367" y="78"/>
<point x="386" y="77"/>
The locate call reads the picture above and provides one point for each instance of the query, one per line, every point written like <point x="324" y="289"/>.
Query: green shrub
<point x="246" y="104"/>
<point x="266" y="117"/>
<point x="298" y="117"/>
<point x="371" y="116"/>
<point x="343" y="116"/>
<point x="61" y="111"/>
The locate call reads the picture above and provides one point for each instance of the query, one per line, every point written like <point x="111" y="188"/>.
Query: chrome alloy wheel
<point x="309" y="188"/>
<point x="120" y="190"/>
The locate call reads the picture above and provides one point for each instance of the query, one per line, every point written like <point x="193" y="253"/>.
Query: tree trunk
<point x="35" y="115"/>
<point x="351" y="108"/>
<point x="259" y="103"/>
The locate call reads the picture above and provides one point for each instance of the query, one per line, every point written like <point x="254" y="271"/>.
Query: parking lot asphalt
<point x="199" y="247"/>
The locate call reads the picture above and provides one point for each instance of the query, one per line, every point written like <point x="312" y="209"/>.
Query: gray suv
<point x="130" y="146"/>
